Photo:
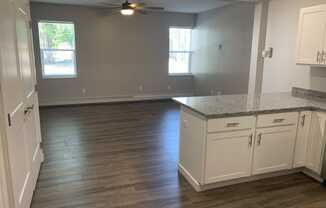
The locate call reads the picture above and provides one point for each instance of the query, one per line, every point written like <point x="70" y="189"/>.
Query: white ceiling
<point x="187" y="6"/>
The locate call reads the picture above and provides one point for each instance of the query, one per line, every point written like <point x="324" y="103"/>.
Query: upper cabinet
<point x="311" y="41"/>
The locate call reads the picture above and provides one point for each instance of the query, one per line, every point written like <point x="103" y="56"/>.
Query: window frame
<point x="189" y="73"/>
<point x="44" y="76"/>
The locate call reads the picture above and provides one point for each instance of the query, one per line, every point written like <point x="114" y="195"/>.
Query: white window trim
<point x="189" y="52"/>
<point x="181" y="74"/>
<point x="44" y="76"/>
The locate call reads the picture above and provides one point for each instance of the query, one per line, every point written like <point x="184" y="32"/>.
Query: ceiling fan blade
<point x="142" y="12"/>
<point x="107" y="12"/>
<point x="110" y="5"/>
<point x="154" y="8"/>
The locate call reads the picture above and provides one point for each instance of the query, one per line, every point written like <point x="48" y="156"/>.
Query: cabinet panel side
<point x="192" y="144"/>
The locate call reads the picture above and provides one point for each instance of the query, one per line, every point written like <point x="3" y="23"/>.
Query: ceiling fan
<point x="128" y="8"/>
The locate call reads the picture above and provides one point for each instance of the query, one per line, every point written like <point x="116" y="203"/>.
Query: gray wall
<point x="115" y="54"/>
<point x="224" y="70"/>
<point x="281" y="73"/>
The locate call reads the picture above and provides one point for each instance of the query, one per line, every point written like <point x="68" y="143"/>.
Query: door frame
<point x="6" y="191"/>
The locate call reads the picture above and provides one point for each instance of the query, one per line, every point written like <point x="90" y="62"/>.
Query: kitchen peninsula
<point x="231" y="139"/>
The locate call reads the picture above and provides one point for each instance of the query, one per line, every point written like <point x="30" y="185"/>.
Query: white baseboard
<point x="113" y="99"/>
<point x="189" y="178"/>
<point x="203" y="187"/>
<point x="313" y="175"/>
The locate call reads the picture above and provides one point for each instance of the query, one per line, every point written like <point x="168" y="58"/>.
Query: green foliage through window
<point x="57" y="49"/>
<point x="56" y="35"/>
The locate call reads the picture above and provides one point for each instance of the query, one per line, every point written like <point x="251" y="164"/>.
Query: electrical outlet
<point x="169" y="87"/>
<point x="84" y="91"/>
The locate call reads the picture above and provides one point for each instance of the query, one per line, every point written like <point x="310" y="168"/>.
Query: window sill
<point x="181" y="75"/>
<point x="60" y="77"/>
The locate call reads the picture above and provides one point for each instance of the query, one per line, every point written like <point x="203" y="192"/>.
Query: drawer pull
<point x="259" y="139"/>
<point x="250" y="140"/>
<point x="278" y="120"/>
<point x="303" y="119"/>
<point x="232" y="124"/>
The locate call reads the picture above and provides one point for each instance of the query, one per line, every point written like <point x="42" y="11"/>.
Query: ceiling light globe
<point x="127" y="12"/>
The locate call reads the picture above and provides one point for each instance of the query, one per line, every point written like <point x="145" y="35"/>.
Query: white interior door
<point x="31" y="128"/>
<point x="33" y="134"/>
<point x="17" y="83"/>
<point x="12" y="85"/>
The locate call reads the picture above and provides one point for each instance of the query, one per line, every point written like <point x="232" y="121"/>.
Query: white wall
<point x="223" y="70"/>
<point x="115" y="54"/>
<point x="281" y="73"/>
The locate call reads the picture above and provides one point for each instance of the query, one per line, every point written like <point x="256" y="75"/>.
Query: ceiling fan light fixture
<point x="127" y="9"/>
<point x="127" y="12"/>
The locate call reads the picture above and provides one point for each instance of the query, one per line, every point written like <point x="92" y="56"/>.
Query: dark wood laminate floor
<point x="125" y="155"/>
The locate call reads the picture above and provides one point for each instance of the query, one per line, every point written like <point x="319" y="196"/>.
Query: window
<point x="57" y="48"/>
<point x="180" y="51"/>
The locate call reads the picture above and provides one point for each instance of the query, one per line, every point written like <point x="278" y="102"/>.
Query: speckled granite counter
<point x="241" y="105"/>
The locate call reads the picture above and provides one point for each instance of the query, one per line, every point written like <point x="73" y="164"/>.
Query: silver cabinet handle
<point x="259" y="139"/>
<point x="318" y="57"/>
<point x="250" y="140"/>
<point x="232" y="124"/>
<point x="278" y="120"/>
<point x="303" y="120"/>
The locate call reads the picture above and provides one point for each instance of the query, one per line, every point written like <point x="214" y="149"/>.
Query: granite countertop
<point x="242" y="105"/>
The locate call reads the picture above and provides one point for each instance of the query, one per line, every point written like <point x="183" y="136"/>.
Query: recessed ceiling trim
<point x="184" y="6"/>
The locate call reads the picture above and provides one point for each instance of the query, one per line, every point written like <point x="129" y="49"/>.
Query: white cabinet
<point x="192" y="145"/>
<point x="311" y="39"/>
<point x="302" y="139"/>
<point x="274" y="148"/>
<point x="222" y="151"/>
<point x="228" y="155"/>
<point x="316" y="142"/>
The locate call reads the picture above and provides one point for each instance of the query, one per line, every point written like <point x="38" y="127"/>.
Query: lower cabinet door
<point x="316" y="142"/>
<point x="274" y="149"/>
<point x="228" y="156"/>
<point x="302" y="139"/>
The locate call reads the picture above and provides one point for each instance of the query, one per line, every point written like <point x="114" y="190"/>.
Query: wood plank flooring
<point x="125" y="155"/>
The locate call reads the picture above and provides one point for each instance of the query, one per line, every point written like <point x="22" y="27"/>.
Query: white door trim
<point x="4" y="198"/>
<point x="6" y="194"/>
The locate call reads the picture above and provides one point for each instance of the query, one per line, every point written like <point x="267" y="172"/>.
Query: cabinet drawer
<point x="230" y="124"/>
<point x="279" y="119"/>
